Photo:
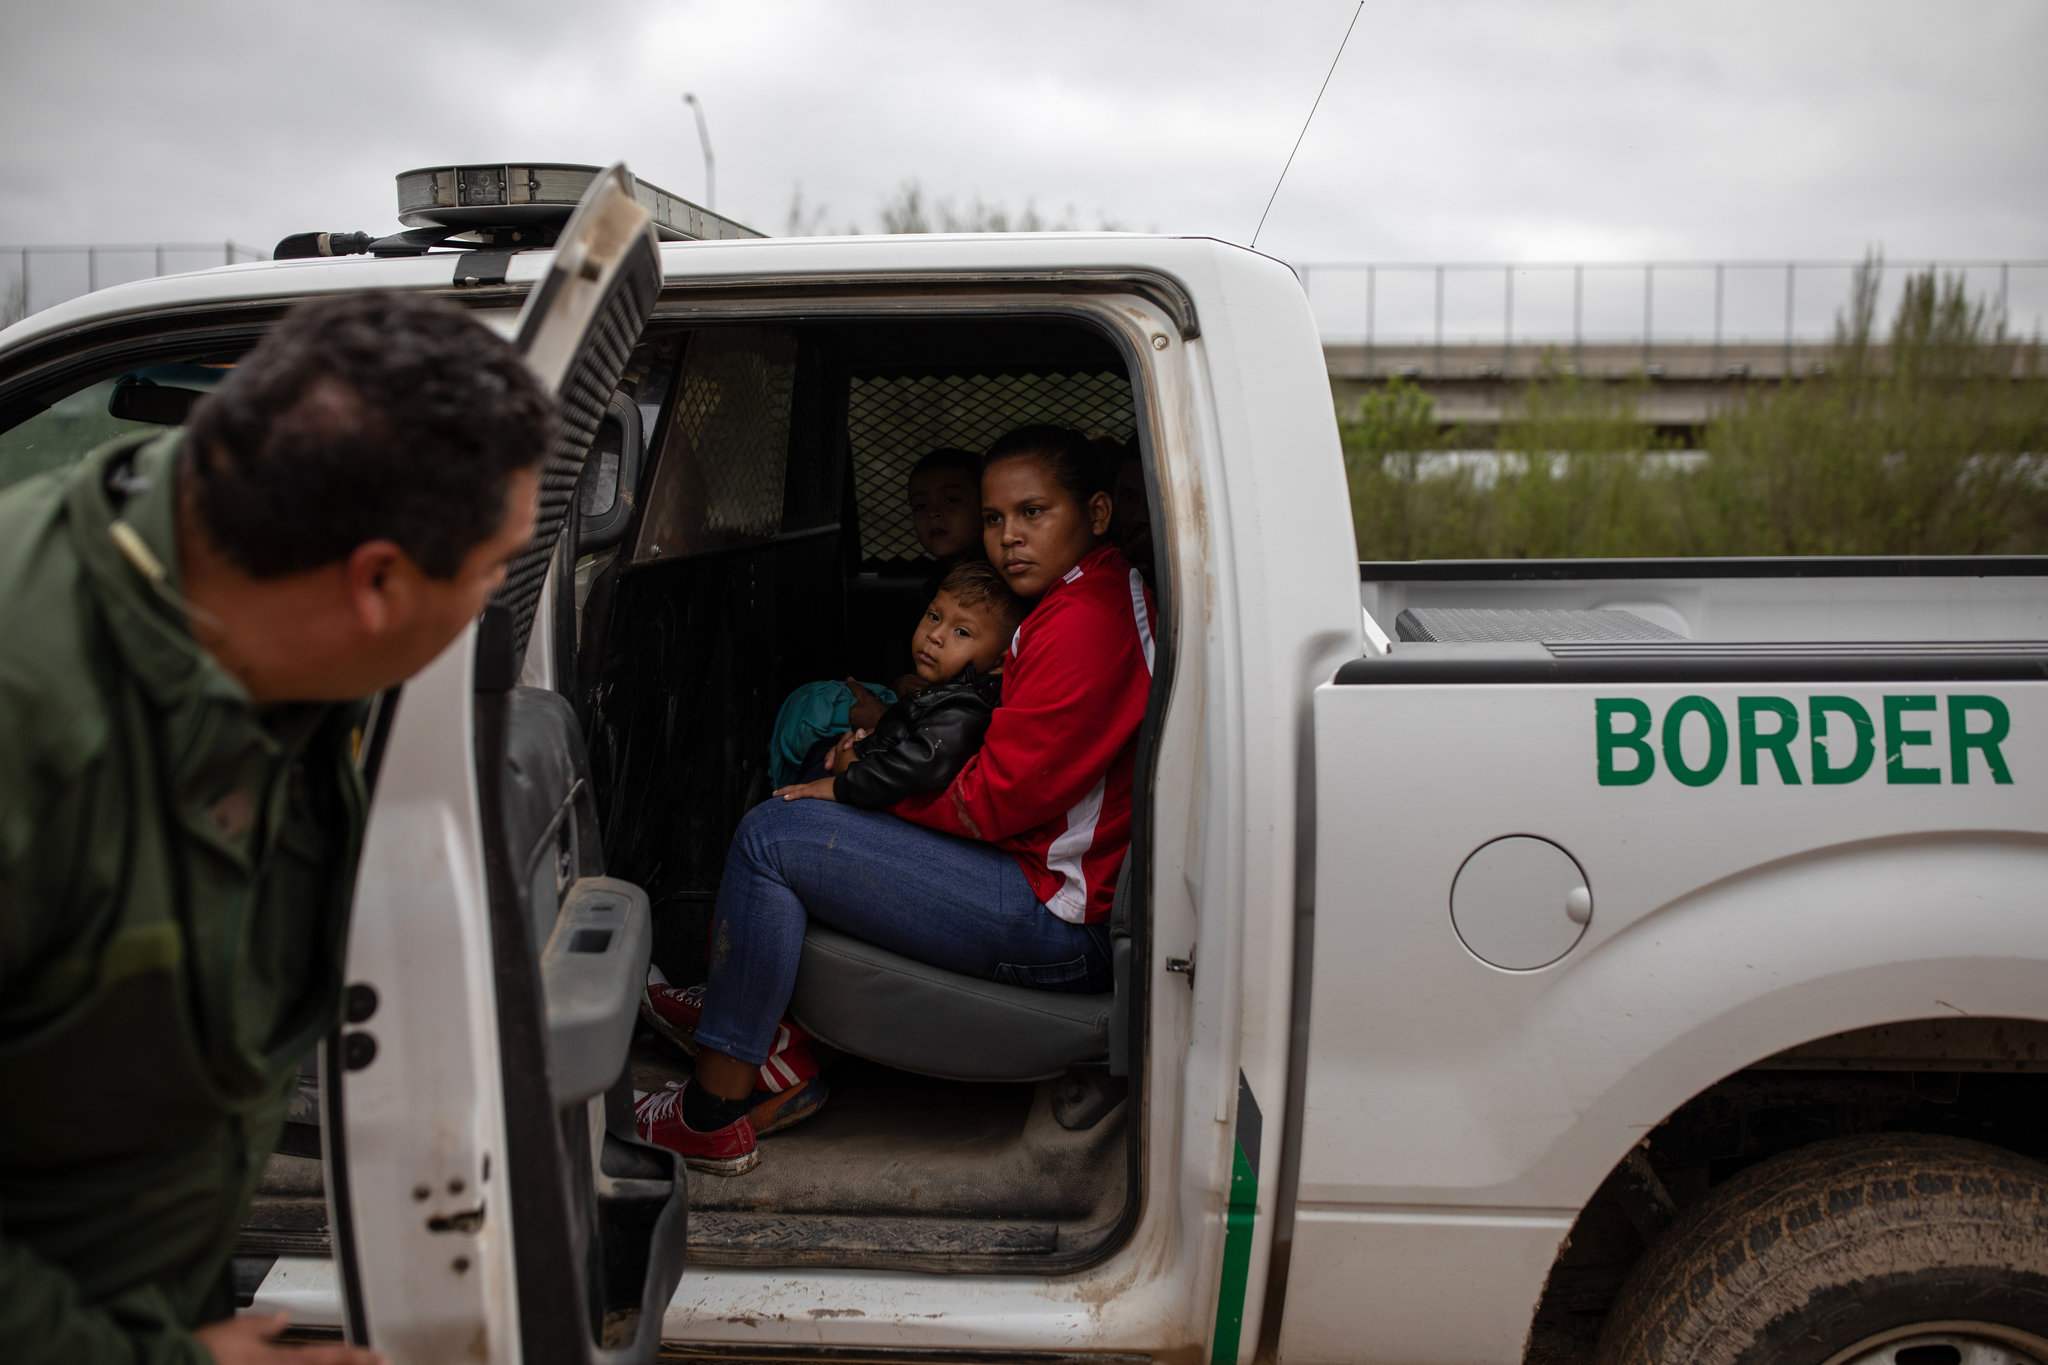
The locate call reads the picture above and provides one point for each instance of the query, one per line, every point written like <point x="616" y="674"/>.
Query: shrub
<point x="1933" y="443"/>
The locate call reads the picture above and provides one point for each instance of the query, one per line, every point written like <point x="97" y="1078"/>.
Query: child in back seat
<point x="945" y="513"/>
<point x="923" y="740"/>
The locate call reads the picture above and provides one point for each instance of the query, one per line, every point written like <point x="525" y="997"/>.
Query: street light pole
<point x="704" y="137"/>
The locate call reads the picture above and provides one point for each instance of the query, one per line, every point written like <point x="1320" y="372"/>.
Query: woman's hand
<point x="821" y="790"/>
<point x="867" y="708"/>
<point x="842" y="756"/>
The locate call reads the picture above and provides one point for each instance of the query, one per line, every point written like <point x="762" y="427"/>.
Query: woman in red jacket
<point x="1006" y="874"/>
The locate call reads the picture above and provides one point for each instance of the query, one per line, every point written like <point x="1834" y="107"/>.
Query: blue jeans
<point x="948" y="902"/>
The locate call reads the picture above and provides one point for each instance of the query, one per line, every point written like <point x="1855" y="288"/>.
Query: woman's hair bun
<point x="1075" y="461"/>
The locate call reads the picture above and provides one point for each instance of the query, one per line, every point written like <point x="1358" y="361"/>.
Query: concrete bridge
<point x="1677" y="387"/>
<point x="1687" y="336"/>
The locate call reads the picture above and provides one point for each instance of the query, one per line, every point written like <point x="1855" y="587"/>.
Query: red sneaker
<point x="724" y="1151"/>
<point x="675" y="1011"/>
<point x="773" y="1111"/>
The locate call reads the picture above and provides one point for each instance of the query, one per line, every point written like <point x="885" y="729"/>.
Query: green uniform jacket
<point x="175" y="870"/>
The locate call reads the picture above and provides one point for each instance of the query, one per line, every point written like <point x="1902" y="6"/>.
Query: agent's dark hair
<point x="947" y="457"/>
<point x="976" y="583"/>
<point x="1071" y="457"/>
<point x="366" y="417"/>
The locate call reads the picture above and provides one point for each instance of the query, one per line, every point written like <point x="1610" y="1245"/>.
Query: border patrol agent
<point x="178" y="834"/>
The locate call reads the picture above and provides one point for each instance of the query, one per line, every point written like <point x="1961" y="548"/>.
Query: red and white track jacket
<point x="1052" y="782"/>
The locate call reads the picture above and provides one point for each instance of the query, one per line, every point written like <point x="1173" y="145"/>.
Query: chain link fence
<point x="33" y="278"/>
<point x="1641" y="307"/>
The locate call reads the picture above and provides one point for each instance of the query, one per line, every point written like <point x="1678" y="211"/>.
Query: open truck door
<point x="488" y="1197"/>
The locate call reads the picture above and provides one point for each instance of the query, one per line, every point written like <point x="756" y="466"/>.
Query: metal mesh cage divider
<point x="724" y="461"/>
<point x="733" y="408"/>
<point x="895" y="420"/>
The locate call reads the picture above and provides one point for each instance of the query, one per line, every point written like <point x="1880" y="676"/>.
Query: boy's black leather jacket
<point x="921" y="742"/>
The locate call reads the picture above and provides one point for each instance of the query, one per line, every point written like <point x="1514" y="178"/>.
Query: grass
<point x="1935" y="442"/>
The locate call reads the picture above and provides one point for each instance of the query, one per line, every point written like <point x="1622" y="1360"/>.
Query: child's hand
<point x="821" y="790"/>
<point x="910" y="683"/>
<point x="867" y="707"/>
<point x="842" y="755"/>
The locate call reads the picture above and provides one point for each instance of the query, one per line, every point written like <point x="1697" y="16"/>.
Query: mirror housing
<point x="610" y="487"/>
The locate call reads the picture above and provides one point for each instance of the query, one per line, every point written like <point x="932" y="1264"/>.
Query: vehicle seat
<point x="883" y="1006"/>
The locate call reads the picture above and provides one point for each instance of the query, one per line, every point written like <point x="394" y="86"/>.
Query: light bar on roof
<point x="466" y="198"/>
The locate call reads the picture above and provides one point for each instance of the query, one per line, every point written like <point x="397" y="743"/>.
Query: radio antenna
<point x="1305" y="122"/>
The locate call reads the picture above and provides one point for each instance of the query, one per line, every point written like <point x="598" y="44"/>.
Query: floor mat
<point x="892" y="1145"/>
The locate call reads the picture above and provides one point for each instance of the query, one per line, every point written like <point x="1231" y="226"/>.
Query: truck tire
<point x="1886" y="1249"/>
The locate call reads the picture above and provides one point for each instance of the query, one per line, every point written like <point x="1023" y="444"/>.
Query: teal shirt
<point x="175" y="871"/>
<point x="813" y="711"/>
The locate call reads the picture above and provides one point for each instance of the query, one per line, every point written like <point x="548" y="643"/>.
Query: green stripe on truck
<point x="1237" y="1227"/>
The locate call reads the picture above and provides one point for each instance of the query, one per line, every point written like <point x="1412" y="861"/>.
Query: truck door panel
<point x="1459" y="1114"/>
<point x="489" y="1196"/>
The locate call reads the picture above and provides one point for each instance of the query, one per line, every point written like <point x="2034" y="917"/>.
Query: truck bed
<point x="1662" y="604"/>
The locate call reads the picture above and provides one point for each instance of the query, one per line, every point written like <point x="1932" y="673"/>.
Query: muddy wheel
<point x="1890" y="1249"/>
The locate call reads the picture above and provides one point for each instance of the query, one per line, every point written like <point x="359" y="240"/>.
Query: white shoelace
<point x="652" y="1106"/>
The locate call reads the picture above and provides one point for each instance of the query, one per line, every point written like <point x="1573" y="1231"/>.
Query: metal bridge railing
<point x="35" y="277"/>
<point x="1547" y="304"/>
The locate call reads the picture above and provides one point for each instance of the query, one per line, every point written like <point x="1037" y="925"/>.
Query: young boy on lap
<point x="928" y="736"/>
<point x="945" y="514"/>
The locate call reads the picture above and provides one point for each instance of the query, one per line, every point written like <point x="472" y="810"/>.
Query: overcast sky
<point x="1458" y="130"/>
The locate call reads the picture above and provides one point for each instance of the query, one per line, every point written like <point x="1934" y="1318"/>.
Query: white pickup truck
<point x="1547" y="961"/>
